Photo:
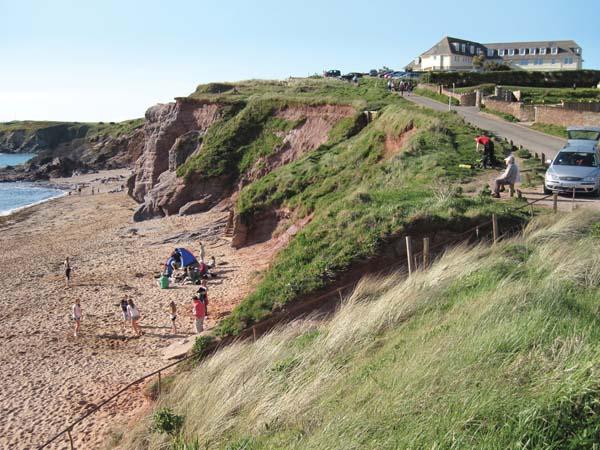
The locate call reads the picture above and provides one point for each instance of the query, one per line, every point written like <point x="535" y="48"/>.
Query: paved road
<point x="532" y="140"/>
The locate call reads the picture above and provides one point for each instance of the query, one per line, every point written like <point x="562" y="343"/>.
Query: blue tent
<point x="181" y="258"/>
<point x="187" y="259"/>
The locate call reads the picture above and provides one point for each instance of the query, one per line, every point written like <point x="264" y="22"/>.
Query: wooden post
<point x="555" y="201"/>
<point x="495" y="227"/>
<point x="573" y="201"/>
<point x="409" y="255"/>
<point x="70" y="439"/>
<point x="519" y="194"/>
<point x="425" y="252"/>
<point x="159" y="383"/>
<point x="477" y="232"/>
<point x="543" y="159"/>
<point x="254" y="332"/>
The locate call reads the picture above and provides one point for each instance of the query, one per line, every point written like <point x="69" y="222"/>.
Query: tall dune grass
<point x="493" y="347"/>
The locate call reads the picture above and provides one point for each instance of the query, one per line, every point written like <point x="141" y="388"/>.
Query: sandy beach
<point x="49" y="377"/>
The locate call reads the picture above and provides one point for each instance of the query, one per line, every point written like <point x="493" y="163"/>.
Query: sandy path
<point x="48" y="376"/>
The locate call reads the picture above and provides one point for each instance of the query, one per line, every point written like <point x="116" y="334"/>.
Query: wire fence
<point x="413" y="263"/>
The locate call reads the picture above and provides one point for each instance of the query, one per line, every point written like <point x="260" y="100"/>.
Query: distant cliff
<point x="61" y="147"/>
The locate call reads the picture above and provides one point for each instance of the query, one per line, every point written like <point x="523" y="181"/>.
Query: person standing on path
<point x="509" y="177"/>
<point x="173" y="307"/>
<point x="76" y="315"/>
<point x="202" y="252"/>
<point x="200" y="310"/>
<point x="134" y="316"/>
<point x="67" y="267"/>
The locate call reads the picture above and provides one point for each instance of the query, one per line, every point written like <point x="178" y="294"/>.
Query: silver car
<point x="577" y="165"/>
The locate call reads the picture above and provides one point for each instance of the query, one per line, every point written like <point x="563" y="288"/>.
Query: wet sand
<point x="49" y="377"/>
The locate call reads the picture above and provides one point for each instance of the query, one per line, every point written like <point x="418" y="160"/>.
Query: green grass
<point x="540" y="95"/>
<point x="492" y="348"/>
<point x="81" y="129"/>
<point x="436" y="96"/>
<point x="359" y="200"/>
<point x="555" y="130"/>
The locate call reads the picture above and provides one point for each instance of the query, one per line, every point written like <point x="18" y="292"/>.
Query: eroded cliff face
<point x="165" y="127"/>
<point x="174" y="133"/>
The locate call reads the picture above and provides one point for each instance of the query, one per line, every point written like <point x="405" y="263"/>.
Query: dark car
<point x="332" y="74"/>
<point x="373" y="73"/>
<point x="350" y="76"/>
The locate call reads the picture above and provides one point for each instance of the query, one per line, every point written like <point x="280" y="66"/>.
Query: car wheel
<point x="547" y="191"/>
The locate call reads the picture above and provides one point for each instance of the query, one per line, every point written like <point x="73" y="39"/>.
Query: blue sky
<point x="111" y="60"/>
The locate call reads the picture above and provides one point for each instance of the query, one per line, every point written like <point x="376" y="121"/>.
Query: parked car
<point x="411" y="75"/>
<point x="577" y="165"/>
<point x="373" y="73"/>
<point x="332" y="73"/>
<point x="397" y="74"/>
<point x="349" y="76"/>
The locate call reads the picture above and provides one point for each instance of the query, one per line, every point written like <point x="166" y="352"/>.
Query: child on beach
<point x="134" y="316"/>
<point x="76" y="314"/>
<point x="202" y="252"/>
<point x="67" y="267"/>
<point x="124" y="304"/>
<point x="173" y="307"/>
<point x="200" y="309"/>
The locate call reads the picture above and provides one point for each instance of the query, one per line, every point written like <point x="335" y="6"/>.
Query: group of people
<point x="131" y="313"/>
<point x="401" y="87"/>
<point x="485" y="145"/>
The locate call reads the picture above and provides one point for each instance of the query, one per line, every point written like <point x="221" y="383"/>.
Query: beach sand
<point x="48" y="376"/>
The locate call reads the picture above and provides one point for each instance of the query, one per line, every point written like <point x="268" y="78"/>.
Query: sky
<point x="110" y="60"/>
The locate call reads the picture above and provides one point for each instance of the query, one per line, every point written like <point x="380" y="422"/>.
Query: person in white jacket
<point x="510" y="176"/>
<point x="76" y="315"/>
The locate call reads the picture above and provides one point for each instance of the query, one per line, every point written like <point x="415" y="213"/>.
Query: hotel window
<point x="553" y="61"/>
<point x="472" y="49"/>
<point x="456" y="46"/>
<point x="479" y="51"/>
<point x="568" y="60"/>
<point x="490" y="52"/>
<point x="532" y="51"/>
<point x="577" y="50"/>
<point x="522" y="51"/>
<point x="511" y="52"/>
<point x="542" y="50"/>
<point x="501" y="52"/>
<point x="554" y="50"/>
<point x="463" y="48"/>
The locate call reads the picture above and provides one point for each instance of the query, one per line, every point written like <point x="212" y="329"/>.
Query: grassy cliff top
<point x="113" y="129"/>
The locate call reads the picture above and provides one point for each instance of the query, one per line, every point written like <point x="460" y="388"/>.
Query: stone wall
<point x="525" y="113"/>
<point x="467" y="99"/>
<point x="557" y="115"/>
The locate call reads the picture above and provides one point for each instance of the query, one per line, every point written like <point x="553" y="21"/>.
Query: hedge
<point x="565" y="78"/>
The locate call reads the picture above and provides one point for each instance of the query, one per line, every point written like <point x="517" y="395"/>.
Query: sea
<point x="15" y="196"/>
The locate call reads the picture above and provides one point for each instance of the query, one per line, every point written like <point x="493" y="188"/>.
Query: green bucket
<point x="164" y="282"/>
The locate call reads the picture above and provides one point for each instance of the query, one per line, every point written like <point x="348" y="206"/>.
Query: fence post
<point x="543" y="159"/>
<point x="254" y="332"/>
<point x="495" y="227"/>
<point x="555" y="201"/>
<point x="425" y="252"/>
<point x="573" y="201"/>
<point x="70" y="439"/>
<point x="409" y="255"/>
<point x="159" y="383"/>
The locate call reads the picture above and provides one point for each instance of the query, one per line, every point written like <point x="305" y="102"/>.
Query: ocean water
<point x="14" y="196"/>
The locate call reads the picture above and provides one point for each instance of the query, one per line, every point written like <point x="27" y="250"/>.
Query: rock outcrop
<point x="168" y="137"/>
<point x="64" y="148"/>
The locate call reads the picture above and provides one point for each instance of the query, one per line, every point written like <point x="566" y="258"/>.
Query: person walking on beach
<point x="76" y="315"/>
<point x="200" y="310"/>
<point x="134" y="316"/>
<point x="202" y="252"/>
<point x="124" y="309"/>
<point x="173" y="307"/>
<point x="67" y="267"/>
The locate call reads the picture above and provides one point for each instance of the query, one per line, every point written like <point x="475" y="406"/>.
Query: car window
<point x="584" y="134"/>
<point x="575" y="159"/>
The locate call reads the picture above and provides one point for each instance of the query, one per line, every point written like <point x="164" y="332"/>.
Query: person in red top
<point x="487" y="150"/>
<point x="200" y="309"/>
